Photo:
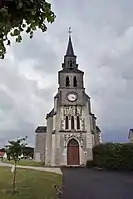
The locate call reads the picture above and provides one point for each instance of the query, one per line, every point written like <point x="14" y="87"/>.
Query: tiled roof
<point x="70" y="51"/>
<point x="41" y="129"/>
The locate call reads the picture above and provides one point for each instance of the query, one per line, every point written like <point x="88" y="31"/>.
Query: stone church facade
<point x="71" y="129"/>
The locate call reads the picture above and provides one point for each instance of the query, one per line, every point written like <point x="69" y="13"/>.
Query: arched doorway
<point x="73" y="152"/>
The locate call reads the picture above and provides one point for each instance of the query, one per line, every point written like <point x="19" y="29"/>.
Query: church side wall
<point x="57" y="150"/>
<point x="89" y="143"/>
<point x="55" y="104"/>
<point x="49" y="140"/>
<point x="93" y="140"/>
<point x="95" y="133"/>
<point x="53" y="151"/>
<point x="97" y="138"/>
<point x="39" y="152"/>
<point x="55" y="146"/>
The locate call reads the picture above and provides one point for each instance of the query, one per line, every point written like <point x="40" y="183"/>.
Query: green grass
<point x="31" y="184"/>
<point x="25" y="163"/>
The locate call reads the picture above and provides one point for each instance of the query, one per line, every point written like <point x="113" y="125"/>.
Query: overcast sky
<point x="103" y="42"/>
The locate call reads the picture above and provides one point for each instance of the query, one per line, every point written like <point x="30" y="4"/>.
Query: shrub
<point x="114" y="156"/>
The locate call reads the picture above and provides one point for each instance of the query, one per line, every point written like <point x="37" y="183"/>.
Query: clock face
<point x="72" y="97"/>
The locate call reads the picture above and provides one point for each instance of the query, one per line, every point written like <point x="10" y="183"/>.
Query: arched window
<point x="78" y="122"/>
<point x="74" y="81"/>
<point x="71" y="65"/>
<point x="72" y="122"/>
<point x="66" y="123"/>
<point x="67" y="81"/>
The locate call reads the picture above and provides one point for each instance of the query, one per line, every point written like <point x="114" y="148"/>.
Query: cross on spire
<point x="70" y="51"/>
<point x="70" y="57"/>
<point x="69" y="31"/>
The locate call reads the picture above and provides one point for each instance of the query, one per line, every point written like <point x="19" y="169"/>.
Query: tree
<point x="3" y="150"/>
<point x="17" y="16"/>
<point x="14" y="150"/>
<point x="28" y="151"/>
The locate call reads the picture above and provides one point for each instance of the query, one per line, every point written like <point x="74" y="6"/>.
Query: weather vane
<point x="69" y="31"/>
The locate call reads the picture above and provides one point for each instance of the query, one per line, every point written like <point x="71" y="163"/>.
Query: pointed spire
<point x="70" y="51"/>
<point x="70" y="58"/>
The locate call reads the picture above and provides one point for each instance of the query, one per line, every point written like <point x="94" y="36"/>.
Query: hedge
<point x="113" y="156"/>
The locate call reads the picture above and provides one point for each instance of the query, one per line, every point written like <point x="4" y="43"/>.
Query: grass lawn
<point x="26" y="163"/>
<point x="31" y="184"/>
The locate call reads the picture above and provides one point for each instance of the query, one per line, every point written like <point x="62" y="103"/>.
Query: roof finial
<point x="70" y="51"/>
<point x="69" y="31"/>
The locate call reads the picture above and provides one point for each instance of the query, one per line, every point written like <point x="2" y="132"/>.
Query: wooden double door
<point x="73" y="152"/>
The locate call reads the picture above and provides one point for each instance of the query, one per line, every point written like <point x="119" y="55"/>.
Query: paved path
<point x="54" y="170"/>
<point x="83" y="183"/>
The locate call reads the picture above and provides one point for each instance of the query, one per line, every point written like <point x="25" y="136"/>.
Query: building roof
<point x="41" y="129"/>
<point x="57" y="95"/>
<point x="50" y="114"/>
<point x="70" y="51"/>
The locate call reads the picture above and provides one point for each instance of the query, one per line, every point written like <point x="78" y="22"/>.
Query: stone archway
<point x="73" y="152"/>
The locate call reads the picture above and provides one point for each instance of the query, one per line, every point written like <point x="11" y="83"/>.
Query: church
<point x="71" y="130"/>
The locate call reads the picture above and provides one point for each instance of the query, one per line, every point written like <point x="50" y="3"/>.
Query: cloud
<point x="103" y="42"/>
<point x="21" y="102"/>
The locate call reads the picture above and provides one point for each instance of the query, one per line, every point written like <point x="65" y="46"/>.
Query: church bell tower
<point x="71" y="126"/>
<point x="70" y="79"/>
<point x="73" y="103"/>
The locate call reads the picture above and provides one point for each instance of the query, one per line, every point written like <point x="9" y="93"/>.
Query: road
<point x="82" y="183"/>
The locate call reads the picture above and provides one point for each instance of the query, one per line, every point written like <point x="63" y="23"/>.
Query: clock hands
<point x="72" y="97"/>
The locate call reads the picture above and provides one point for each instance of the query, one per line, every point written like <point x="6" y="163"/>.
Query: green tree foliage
<point x="17" y="16"/>
<point x="28" y="151"/>
<point x="114" y="156"/>
<point x="3" y="150"/>
<point x="14" y="150"/>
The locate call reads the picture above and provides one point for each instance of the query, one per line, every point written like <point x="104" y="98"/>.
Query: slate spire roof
<point x="70" y="51"/>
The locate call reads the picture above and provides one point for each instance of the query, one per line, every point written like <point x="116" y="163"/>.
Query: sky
<point x="102" y="35"/>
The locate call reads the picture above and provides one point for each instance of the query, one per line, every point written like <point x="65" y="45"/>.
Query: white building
<point x="71" y="129"/>
<point x="130" y="135"/>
